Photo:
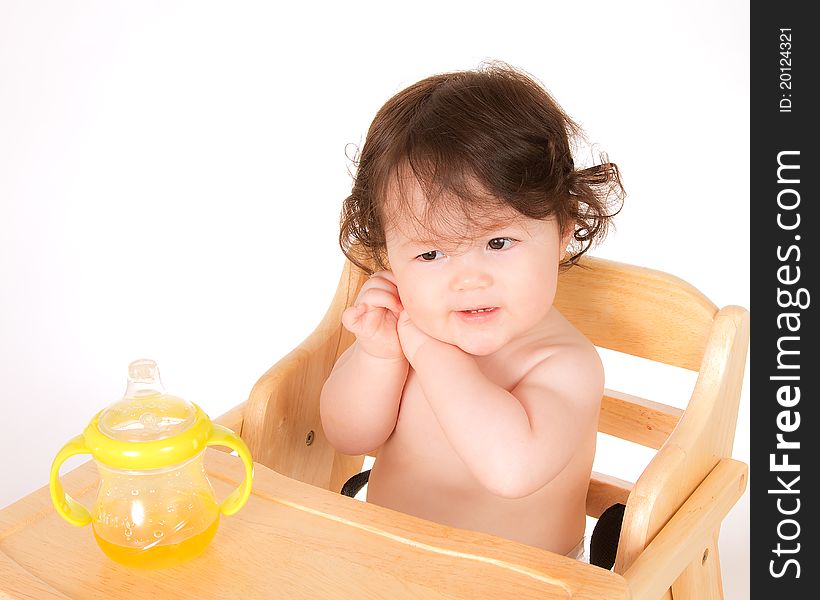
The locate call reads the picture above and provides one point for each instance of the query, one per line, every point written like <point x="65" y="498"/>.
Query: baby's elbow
<point x="335" y="430"/>
<point x="512" y="487"/>
<point x="348" y="446"/>
<point x="340" y="436"/>
<point x="335" y="435"/>
<point x="519" y="474"/>
<point x="517" y="479"/>
<point x="347" y="436"/>
<point x="344" y="440"/>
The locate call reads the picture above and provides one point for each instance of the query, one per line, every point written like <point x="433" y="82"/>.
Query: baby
<point x="481" y="398"/>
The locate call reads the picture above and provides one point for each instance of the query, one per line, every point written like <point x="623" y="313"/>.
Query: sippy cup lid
<point x="146" y="412"/>
<point x="148" y="428"/>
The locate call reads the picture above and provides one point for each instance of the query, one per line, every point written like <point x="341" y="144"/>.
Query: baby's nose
<point x="471" y="278"/>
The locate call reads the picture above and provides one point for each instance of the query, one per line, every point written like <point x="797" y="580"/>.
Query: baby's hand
<point x="412" y="338"/>
<point x="373" y="316"/>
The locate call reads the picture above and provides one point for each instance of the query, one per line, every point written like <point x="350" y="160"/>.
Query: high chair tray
<point x="291" y="540"/>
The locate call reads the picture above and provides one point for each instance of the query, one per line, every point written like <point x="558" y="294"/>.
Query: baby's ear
<point x="566" y="236"/>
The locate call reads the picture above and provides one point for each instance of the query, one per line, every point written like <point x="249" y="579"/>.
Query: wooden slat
<point x="636" y="419"/>
<point x="638" y="311"/>
<point x="604" y="491"/>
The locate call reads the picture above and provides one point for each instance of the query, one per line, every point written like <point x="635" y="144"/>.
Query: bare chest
<point x="418" y="472"/>
<point x="419" y="442"/>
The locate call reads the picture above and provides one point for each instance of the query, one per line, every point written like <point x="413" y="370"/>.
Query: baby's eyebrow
<point x="475" y="235"/>
<point x="424" y="241"/>
<point x="428" y="245"/>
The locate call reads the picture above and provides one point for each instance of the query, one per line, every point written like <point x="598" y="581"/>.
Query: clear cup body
<point x="155" y="518"/>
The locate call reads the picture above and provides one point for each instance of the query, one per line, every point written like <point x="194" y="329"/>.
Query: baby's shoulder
<point x="560" y="340"/>
<point x="565" y="360"/>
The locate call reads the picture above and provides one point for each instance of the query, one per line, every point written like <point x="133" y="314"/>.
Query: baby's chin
<point x="479" y="347"/>
<point x="474" y="343"/>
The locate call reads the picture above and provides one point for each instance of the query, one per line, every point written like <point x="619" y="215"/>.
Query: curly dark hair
<point x="490" y="137"/>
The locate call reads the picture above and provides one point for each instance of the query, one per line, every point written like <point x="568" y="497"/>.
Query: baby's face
<point x="483" y="292"/>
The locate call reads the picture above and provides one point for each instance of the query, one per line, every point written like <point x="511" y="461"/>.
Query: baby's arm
<point x="360" y="400"/>
<point x="513" y="442"/>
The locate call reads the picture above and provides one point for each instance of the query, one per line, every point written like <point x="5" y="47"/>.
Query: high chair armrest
<point x="688" y="532"/>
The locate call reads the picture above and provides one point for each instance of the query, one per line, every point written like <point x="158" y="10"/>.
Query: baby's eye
<point x="430" y="256"/>
<point x="500" y="243"/>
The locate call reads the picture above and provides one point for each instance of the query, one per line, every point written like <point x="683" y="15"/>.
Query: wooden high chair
<point x="668" y="542"/>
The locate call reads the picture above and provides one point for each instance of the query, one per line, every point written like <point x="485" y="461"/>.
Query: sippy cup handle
<point x="222" y="436"/>
<point x="67" y="507"/>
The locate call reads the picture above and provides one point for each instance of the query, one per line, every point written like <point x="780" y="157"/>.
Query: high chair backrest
<point x="657" y="316"/>
<point x="625" y="308"/>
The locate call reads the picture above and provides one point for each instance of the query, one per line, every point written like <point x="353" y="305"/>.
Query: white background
<point x="171" y="175"/>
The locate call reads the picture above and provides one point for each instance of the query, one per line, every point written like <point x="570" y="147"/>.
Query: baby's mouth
<point x="481" y="315"/>
<point x="476" y="311"/>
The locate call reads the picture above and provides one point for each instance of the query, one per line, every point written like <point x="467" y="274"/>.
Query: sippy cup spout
<point x="146" y="412"/>
<point x="143" y="379"/>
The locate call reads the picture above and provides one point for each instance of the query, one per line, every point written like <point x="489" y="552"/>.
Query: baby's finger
<point x="370" y="322"/>
<point x="379" y="283"/>
<point x="352" y="317"/>
<point x="382" y="298"/>
<point x="390" y="279"/>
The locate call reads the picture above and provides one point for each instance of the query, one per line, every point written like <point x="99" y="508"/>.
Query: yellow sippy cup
<point x="155" y="506"/>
